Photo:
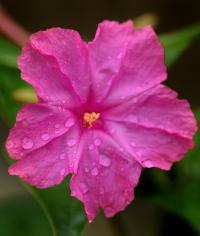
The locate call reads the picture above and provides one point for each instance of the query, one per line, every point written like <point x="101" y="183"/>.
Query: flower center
<point x="90" y="117"/>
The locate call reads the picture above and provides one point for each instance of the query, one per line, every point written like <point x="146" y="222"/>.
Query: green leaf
<point x="183" y="196"/>
<point x="8" y="53"/>
<point x="175" y="43"/>
<point x="21" y="216"/>
<point x="64" y="213"/>
<point x="9" y="82"/>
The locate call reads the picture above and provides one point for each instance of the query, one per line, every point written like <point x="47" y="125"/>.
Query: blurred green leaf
<point x="9" y="82"/>
<point x="191" y="163"/>
<point x="8" y="53"/>
<point x="65" y="214"/>
<point x="183" y="197"/>
<point x="21" y="216"/>
<point x="175" y="43"/>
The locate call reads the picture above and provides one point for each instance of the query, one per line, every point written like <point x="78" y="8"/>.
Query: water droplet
<point x="109" y="83"/>
<point x="102" y="191"/>
<point x="97" y="142"/>
<point x="119" y="55"/>
<point x="57" y="126"/>
<point x="10" y="144"/>
<point x="133" y="118"/>
<point x="91" y="147"/>
<point x="121" y="149"/>
<point x="45" y="137"/>
<point x="70" y="122"/>
<point x="122" y="97"/>
<point x="86" y="170"/>
<point x="112" y="131"/>
<point x="57" y="131"/>
<point x="27" y="143"/>
<point x="71" y="142"/>
<point x="148" y="163"/>
<point x="62" y="172"/>
<point x="138" y="153"/>
<point x="104" y="160"/>
<point x="62" y="156"/>
<point x="133" y="144"/>
<point x="94" y="171"/>
<point x="83" y="187"/>
<point x="109" y="210"/>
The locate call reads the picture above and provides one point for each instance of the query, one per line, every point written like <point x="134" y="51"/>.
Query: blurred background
<point x="167" y="203"/>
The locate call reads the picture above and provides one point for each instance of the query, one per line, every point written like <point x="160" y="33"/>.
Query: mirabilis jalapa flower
<point x="102" y="114"/>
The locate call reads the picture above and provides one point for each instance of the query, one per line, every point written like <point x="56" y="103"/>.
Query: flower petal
<point x="124" y="61"/>
<point x="55" y="63"/>
<point x="151" y="147"/>
<point x="157" y="108"/>
<point x="104" y="178"/>
<point x="37" y="125"/>
<point x="155" y="128"/>
<point x="48" y="164"/>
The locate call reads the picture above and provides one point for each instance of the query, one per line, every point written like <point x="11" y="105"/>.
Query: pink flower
<point x="102" y="114"/>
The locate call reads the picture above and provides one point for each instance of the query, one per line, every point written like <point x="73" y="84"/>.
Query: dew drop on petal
<point x="91" y="147"/>
<point x="133" y="144"/>
<point x="70" y="122"/>
<point x="62" y="156"/>
<point x="45" y="137"/>
<point x="86" y="170"/>
<point x="104" y="161"/>
<point x="138" y="153"/>
<point x="94" y="171"/>
<point x="10" y="144"/>
<point x="71" y="142"/>
<point x="109" y="210"/>
<point x="62" y="172"/>
<point x="97" y="142"/>
<point x="83" y="187"/>
<point x="102" y="191"/>
<point x="57" y="126"/>
<point x="133" y="118"/>
<point x="112" y="131"/>
<point x="148" y="163"/>
<point x="27" y="143"/>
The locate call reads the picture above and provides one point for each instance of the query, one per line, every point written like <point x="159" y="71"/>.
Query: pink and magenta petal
<point x="124" y="61"/>
<point x="155" y="128"/>
<point x="45" y="166"/>
<point x="151" y="147"/>
<point x="36" y="125"/>
<point x="70" y="54"/>
<point x="157" y="108"/>
<point x="48" y="164"/>
<point x="104" y="178"/>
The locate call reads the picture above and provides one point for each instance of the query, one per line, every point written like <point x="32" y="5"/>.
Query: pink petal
<point x="155" y="128"/>
<point x="59" y="75"/>
<point x="151" y="147"/>
<point x="157" y="108"/>
<point x="48" y="164"/>
<point x="124" y="61"/>
<point x="45" y="166"/>
<point x="37" y="125"/>
<point x="70" y="55"/>
<point x="104" y="178"/>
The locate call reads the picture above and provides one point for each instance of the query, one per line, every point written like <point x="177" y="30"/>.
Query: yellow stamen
<point x="90" y="118"/>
